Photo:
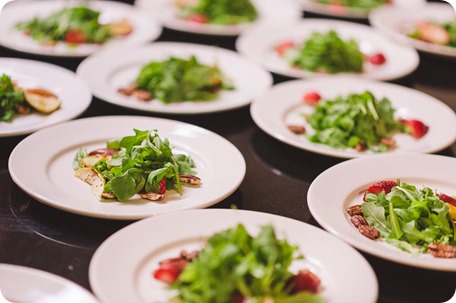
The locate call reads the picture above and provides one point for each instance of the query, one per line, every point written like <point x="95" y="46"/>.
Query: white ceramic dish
<point x="133" y="282"/>
<point x="25" y="284"/>
<point x="283" y="106"/>
<point x="108" y="71"/>
<point x="145" y="26"/>
<point x="398" y="23"/>
<point x="259" y="44"/>
<point x="270" y="12"/>
<point x="52" y="181"/>
<point x="340" y="186"/>
<point x="74" y="94"/>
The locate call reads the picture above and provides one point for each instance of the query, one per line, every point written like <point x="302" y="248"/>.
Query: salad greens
<point x="254" y="267"/>
<point x="142" y="161"/>
<point x="346" y="122"/>
<point x="435" y="32"/>
<point x="74" y="25"/>
<point x="327" y="52"/>
<point x="224" y="12"/>
<point x="177" y="79"/>
<point x="355" y="3"/>
<point x="408" y="217"/>
<point x="10" y="99"/>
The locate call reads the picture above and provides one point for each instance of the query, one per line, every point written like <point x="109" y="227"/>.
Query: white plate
<point x="24" y="284"/>
<point x="219" y="164"/>
<point x="133" y="281"/>
<point x="270" y="12"/>
<point x="73" y="93"/>
<point x="398" y="23"/>
<point x="259" y="43"/>
<point x="145" y="28"/>
<point x="109" y="70"/>
<point x="339" y="187"/>
<point x="273" y="116"/>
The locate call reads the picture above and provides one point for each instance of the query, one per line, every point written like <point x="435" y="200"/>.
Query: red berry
<point x="284" y="46"/>
<point x="198" y="18"/>
<point x="447" y="199"/>
<point x="377" y="59"/>
<point x="306" y="281"/>
<point x="103" y="151"/>
<point x="162" y="186"/>
<point x="311" y="98"/>
<point x="75" y="36"/>
<point x="381" y="186"/>
<point x="170" y="270"/>
<point x="416" y="128"/>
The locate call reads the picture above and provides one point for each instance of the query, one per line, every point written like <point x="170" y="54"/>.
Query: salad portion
<point x="435" y="32"/>
<point x="221" y="12"/>
<point x="416" y="220"/>
<point x="15" y="100"/>
<point x="327" y="52"/>
<point x="73" y="25"/>
<point x="141" y="164"/>
<point x="359" y="121"/>
<point x="251" y="268"/>
<point x="366" y="4"/>
<point x="177" y="79"/>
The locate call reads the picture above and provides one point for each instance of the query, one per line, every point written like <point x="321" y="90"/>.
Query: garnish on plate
<point x="367" y="4"/>
<point x="435" y="32"/>
<point x="417" y="220"/>
<point x="177" y="79"/>
<point x="359" y="121"/>
<point x="234" y="267"/>
<point x="327" y="53"/>
<point x="75" y="25"/>
<point x="141" y="164"/>
<point x="15" y="100"/>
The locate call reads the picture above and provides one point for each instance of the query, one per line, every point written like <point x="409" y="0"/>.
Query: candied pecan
<point x="440" y="250"/>
<point x="369" y="231"/>
<point x="23" y="109"/>
<point x="355" y="210"/>
<point x="142" y="95"/>
<point x="361" y="146"/>
<point x="297" y="129"/>
<point x="358" y="220"/>
<point x="189" y="256"/>
<point x="127" y="91"/>
<point x="152" y="196"/>
<point x="389" y="142"/>
<point x="189" y="179"/>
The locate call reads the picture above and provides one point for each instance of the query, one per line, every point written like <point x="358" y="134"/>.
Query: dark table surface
<point x="277" y="179"/>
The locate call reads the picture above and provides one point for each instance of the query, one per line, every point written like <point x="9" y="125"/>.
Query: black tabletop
<point x="277" y="180"/>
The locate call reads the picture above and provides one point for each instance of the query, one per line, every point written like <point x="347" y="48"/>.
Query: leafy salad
<point x="436" y="33"/>
<point x="359" y="121"/>
<point x="367" y="4"/>
<point x="141" y="164"/>
<point x="250" y="268"/>
<point x="222" y="12"/>
<point x="177" y="79"/>
<point x="17" y="101"/>
<point x="327" y="53"/>
<point x="73" y="25"/>
<point x="417" y="220"/>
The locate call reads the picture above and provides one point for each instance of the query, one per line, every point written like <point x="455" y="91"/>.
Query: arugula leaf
<point x="375" y="216"/>
<point x="10" y="99"/>
<point x="356" y="3"/>
<point x="78" y="157"/>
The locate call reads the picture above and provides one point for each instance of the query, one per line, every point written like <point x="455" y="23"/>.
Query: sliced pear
<point x="94" y="178"/>
<point x="152" y="196"/>
<point x="42" y="100"/>
<point x="89" y="161"/>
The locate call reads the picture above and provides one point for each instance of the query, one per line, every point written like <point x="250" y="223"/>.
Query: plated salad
<point x="367" y="4"/>
<point x="359" y="121"/>
<point x="141" y="164"/>
<point x="176" y="79"/>
<point x="327" y="52"/>
<point x="73" y="25"/>
<point x="417" y="220"/>
<point x="234" y="267"/>
<point x="15" y="100"/>
<point x="221" y="12"/>
<point x="435" y="32"/>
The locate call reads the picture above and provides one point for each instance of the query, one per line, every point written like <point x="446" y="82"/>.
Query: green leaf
<point x="375" y="216"/>
<point x="78" y="157"/>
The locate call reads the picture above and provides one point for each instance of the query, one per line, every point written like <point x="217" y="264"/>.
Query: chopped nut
<point x="23" y="109"/>
<point x="358" y="220"/>
<point x="190" y="179"/>
<point x="440" y="250"/>
<point x="361" y="146"/>
<point x="297" y="129"/>
<point x="189" y="256"/>
<point x="355" y="210"/>
<point x="389" y="142"/>
<point x="152" y="196"/>
<point x="127" y="91"/>
<point x="142" y="95"/>
<point x="369" y="231"/>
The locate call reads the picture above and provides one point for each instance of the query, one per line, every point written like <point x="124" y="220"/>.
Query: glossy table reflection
<point x="277" y="179"/>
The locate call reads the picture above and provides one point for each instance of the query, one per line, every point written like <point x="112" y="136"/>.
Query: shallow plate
<point x="133" y="281"/>
<point x="282" y="106"/>
<point x="332" y="192"/>
<point x="397" y="23"/>
<point x="259" y="44"/>
<point x="145" y="28"/>
<point x="110" y="70"/>
<point x="270" y="12"/>
<point x="45" y="171"/>
<point x="73" y="93"/>
<point x="24" y="284"/>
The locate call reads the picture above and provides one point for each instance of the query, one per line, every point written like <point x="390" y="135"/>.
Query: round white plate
<point x="332" y="192"/>
<point x="73" y="93"/>
<point x="283" y="106"/>
<point x="270" y="12"/>
<point x="47" y="175"/>
<point x="133" y="281"/>
<point x="398" y="23"/>
<point x="25" y="284"/>
<point x="145" y="28"/>
<point x="259" y="44"/>
<point x="108" y="71"/>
